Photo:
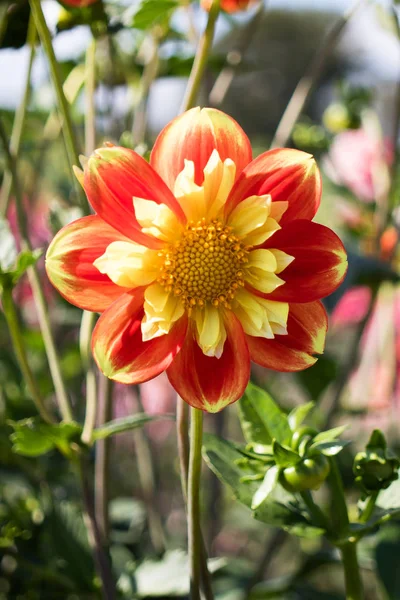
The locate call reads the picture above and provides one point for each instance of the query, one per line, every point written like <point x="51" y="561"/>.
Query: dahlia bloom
<point x="229" y="6"/>
<point x="201" y="260"/>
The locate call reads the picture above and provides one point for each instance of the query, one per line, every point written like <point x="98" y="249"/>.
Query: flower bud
<point x="376" y="467"/>
<point x="229" y="6"/>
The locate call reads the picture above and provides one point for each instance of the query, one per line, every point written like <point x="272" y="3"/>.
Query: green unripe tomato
<point x="300" y="433"/>
<point x="308" y="474"/>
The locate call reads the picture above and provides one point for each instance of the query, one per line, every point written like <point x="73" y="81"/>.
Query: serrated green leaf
<point x="32" y="437"/>
<point x="330" y="434"/>
<point x="269" y="418"/>
<point x="269" y="482"/>
<point x="299" y="414"/>
<point x="126" y="424"/>
<point x="222" y="457"/>
<point x="329" y="448"/>
<point x="284" y="456"/>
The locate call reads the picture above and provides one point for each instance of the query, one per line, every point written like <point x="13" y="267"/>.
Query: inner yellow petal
<point x="210" y="330"/>
<point x="205" y="201"/>
<point x="161" y="310"/>
<point x="156" y="219"/>
<point x="254" y="219"/>
<point x="260" y="317"/>
<point x="128" y="264"/>
<point x="260" y="271"/>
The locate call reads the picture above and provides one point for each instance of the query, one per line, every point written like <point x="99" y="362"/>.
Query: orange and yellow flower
<point x="201" y="260"/>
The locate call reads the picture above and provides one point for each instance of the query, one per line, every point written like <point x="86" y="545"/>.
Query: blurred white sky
<point x="377" y="50"/>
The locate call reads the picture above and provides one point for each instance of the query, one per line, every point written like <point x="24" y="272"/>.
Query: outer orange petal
<point x="113" y="176"/>
<point x="307" y="327"/>
<point x="210" y="383"/>
<point x="117" y="344"/>
<point x="69" y="263"/>
<point x="319" y="266"/>
<point x="287" y="175"/>
<point x="193" y="136"/>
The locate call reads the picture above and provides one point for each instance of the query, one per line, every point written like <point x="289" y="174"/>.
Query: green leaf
<point x="269" y="418"/>
<point x="329" y="448"/>
<point x="148" y="13"/>
<point x="25" y="260"/>
<point x="32" y="437"/>
<point x="330" y="434"/>
<point x="284" y="456"/>
<point x="222" y="457"/>
<point x="387" y="560"/>
<point x="125" y="424"/>
<point x="299" y="414"/>
<point x="269" y="482"/>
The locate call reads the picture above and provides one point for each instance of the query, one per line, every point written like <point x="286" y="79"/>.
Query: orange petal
<point x="307" y="326"/>
<point x="113" y="177"/>
<point x="117" y="344"/>
<point x="287" y="175"/>
<point x="69" y="263"/>
<point x="211" y="383"/>
<point x="319" y="265"/>
<point x="193" y="136"/>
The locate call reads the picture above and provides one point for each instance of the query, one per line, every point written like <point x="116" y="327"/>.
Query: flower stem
<point x="316" y="513"/>
<point x="11" y="316"/>
<point x="95" y="538"/>
<point x="19" y="120"/>
<point x="38" y="294"/>
<point x="354" y="588"/>
<point x="87" y="323"/>
<point x="102" y="462"/>
<point x="201" y="58"/>
<point x="369" y="508"/>
<point x="348" y="549"/>
<point x="63" y="106"/>
<point x="194" y="533"/>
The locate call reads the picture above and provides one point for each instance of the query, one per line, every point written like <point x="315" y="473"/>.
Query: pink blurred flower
<point x="157" y="397"/>
<point x="356" y="160"/>
<point x="39" y="235"/>
<point x="374" y="384"/>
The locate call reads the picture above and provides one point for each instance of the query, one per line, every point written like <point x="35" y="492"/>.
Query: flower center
<point x="205" y="265"/>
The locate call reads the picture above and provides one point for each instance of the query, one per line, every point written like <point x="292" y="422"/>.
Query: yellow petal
<point x="128" y="264"/>
<point x="252" y="222"/>
<point x="260" y="271"/>
<point x="210" y="330"/>
<point x="283" y="260"/>
<point x="278" y="209"/>
<point x="219" y="178"/>
<point x="260" y="317"/>
<point x="162" y="309"/>
<point x="189" y="195"/>
<point x="156" y="219"/>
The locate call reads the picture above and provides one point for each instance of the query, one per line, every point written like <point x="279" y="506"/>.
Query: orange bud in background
<point x="229" y="6"/>
<point x="78" y="3"/>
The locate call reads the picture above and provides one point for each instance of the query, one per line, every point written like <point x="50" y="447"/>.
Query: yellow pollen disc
<point x="205" y="265"/>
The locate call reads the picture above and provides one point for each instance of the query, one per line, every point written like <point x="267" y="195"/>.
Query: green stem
<point x="37" y="290"/>
<point x="102" y="462"/>
<point x="353" y="583"/>
<point x="318" y="517"/>
<point x="194" y="533"/>
<point x="90" y="88"/>
<point x="63" y="106"/>
<point x="201" y="58"/>
<point x="19" y="120"/>
<point x="149" y="74"/>
<point x="369" y="508"/>
<point x="348" y="548"/>
<point x="85" y="334"/>
<point x="11" y="316"/>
